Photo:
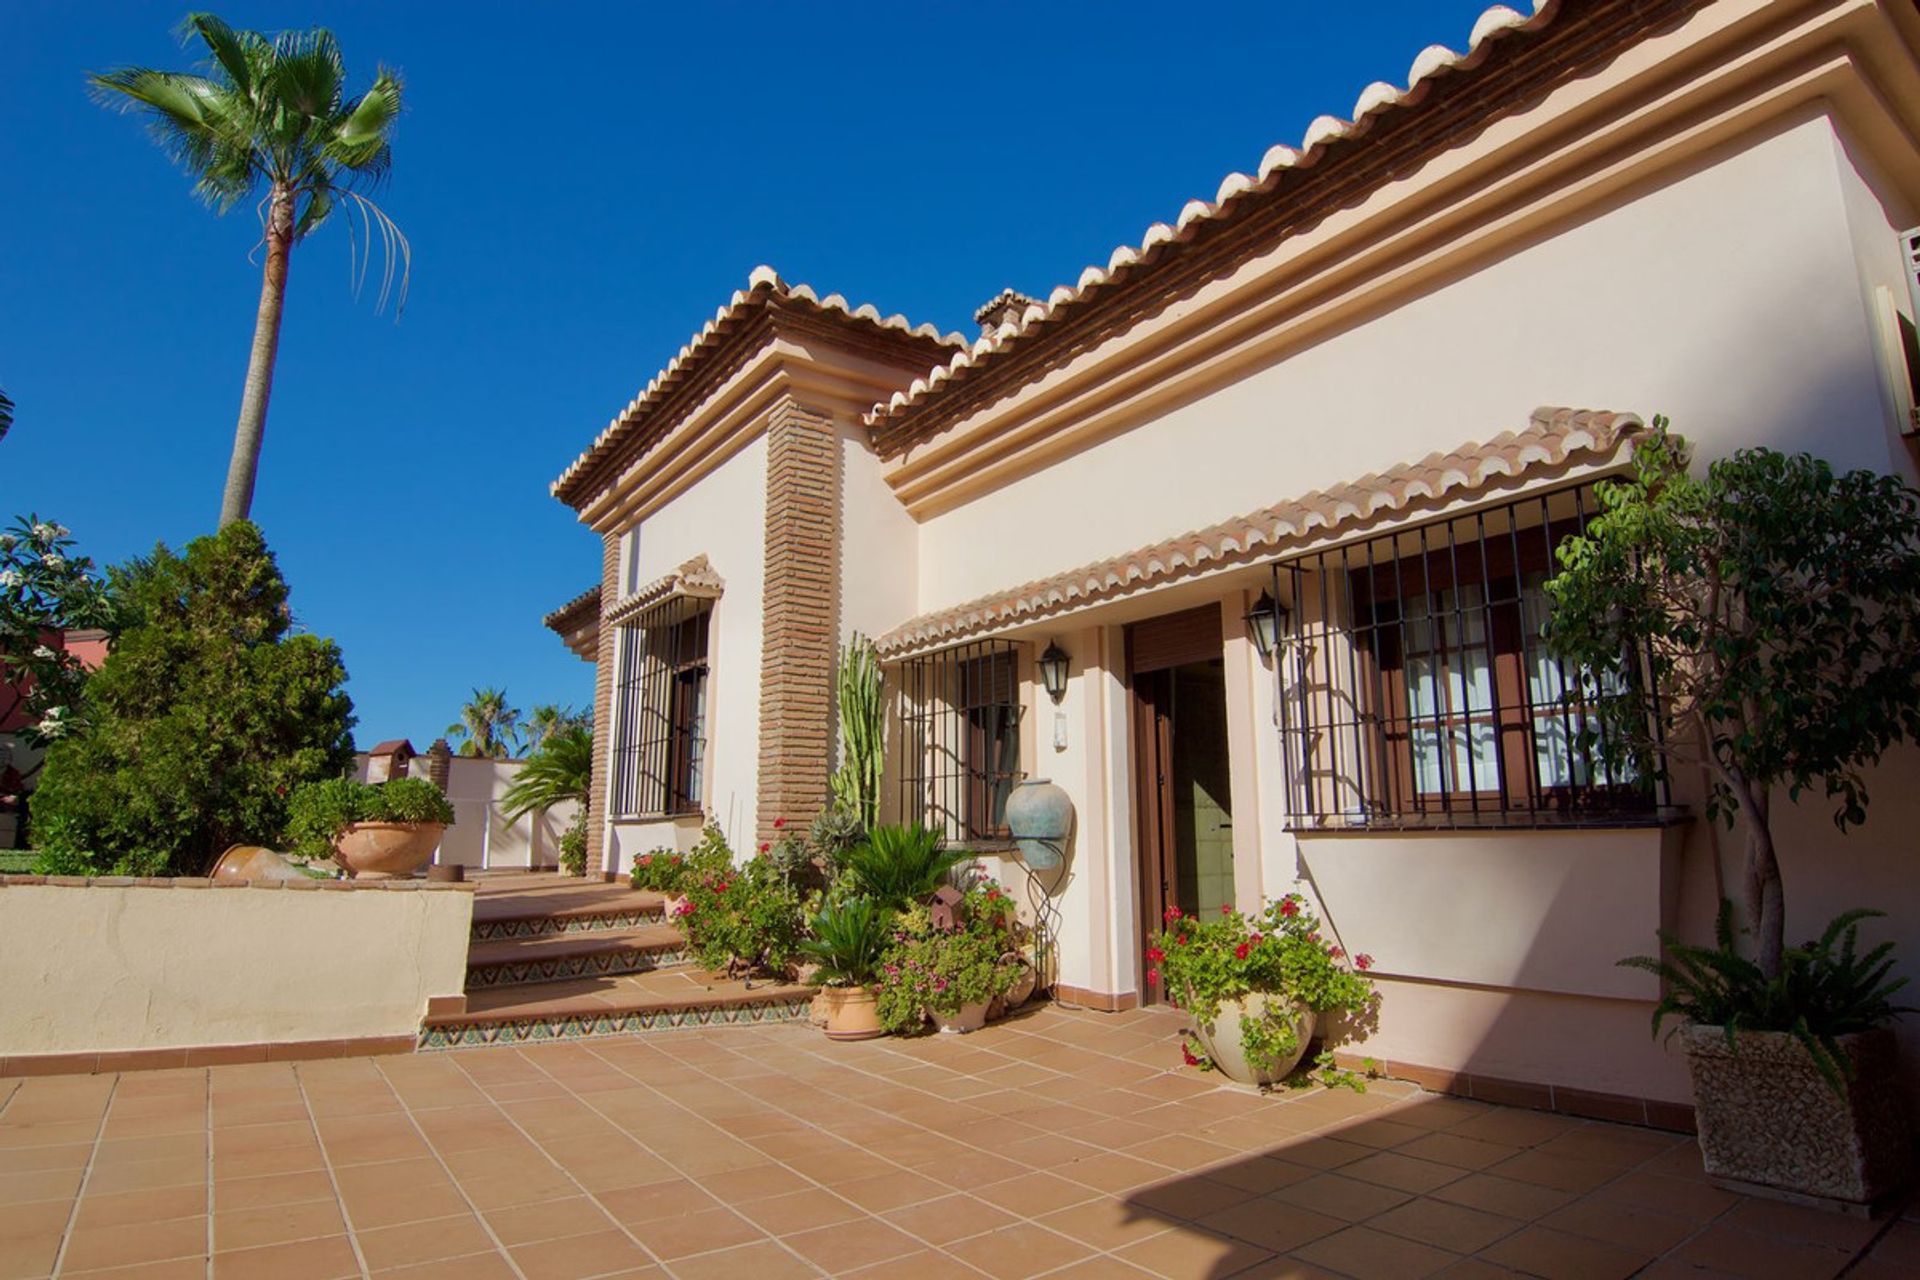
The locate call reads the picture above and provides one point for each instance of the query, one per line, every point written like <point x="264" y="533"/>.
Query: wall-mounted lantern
<point x="1266" y="621"/>
<point x="1053" y="672"/>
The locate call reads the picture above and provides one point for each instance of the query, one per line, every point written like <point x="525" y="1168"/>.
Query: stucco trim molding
<point x="694" y="580"/>
<point x="1553" y="441"/>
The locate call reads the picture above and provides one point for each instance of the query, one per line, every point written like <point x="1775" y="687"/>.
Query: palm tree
<point x="271" y="113"/>
<point x="487" y="724"/>
<point x="548" y="719"/>
<point x="6" y="414"/>
<point x="559" y="771"/>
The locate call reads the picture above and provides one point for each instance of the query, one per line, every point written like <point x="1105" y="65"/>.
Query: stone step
<point x="570" y="906"/>
<point x="662" y="1000"/>
<point x="582" y="953"/>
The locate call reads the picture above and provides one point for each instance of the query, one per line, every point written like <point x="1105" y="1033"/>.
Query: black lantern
<point x="1053" y="672"/>
<point x="1266" y="620"/>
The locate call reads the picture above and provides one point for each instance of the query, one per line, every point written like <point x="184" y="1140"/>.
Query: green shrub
<point x="573" y="847"/>
<point x="320" y="811"/>
<point x="848" y="942"/>
<point x="900" y="866"/>
<point x="928" y="968"/>
<point x="1825" y="989"/>
<point x="206" y="716"/>
<point x="669" y="871"/>
<point x="745" y="919"/>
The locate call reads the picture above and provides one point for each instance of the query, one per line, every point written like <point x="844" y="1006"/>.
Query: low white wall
<point x="481" y="836"/>
<point x="122" y="965"/>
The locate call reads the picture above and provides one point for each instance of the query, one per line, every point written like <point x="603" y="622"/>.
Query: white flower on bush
<point x="54" y="723"/>
<point x="9" y="579"/>
<point x="44" y="532"/>
<point x="55" y="563"/>
<point x="8" y="542"/>
<point x="43" y="653"/>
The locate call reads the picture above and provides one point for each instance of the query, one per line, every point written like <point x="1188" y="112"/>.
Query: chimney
<point x="1008" y="304"/>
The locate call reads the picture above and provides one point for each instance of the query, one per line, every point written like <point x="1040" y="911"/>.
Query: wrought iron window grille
<point x="660" y="712"/>
<point x="958" y="718"/>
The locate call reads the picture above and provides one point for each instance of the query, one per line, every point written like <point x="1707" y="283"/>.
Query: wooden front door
<point x="1183" y="812"/>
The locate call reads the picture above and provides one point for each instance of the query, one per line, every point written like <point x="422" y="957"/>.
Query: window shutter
<point x="1174" y="640"/>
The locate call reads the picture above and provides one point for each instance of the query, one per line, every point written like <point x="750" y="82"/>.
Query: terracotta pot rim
<point x="393" y="826"/>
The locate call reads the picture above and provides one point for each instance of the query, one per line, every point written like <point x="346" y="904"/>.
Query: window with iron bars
<point x="660" y="712"/>
<point x="1415" y="687"/>
<point x="959" y="735"/>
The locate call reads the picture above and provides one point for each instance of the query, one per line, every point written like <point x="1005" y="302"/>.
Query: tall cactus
<point x="856" y="783"/>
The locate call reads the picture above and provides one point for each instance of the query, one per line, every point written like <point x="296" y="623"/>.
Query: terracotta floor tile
<point x="370" y="1209"/>
<point x="1106" y="1224"/>
<point x="548" y="1220"/>
<point x="698" y="1232"/>
<point x="928" y="1264"/>
<point x="1801" y="1225"/>
<point x="295" y="1132"/>
<point x="23" y="1257"/>
<point x="435" y="1240"/>
<point x="1758" y="1257"/>
<point x="656" y="1200"/>
<point x="893" y="1190"/>
<point x="1272" y="1224"/>
<point x="472" y="1266"/>
<point x="1366" y="1254"/>
<point x="1320" y="1151"/>
<point x="276" y="1188"/>
<point x="1186" y="1251"/>
<point x="1556" y="1255"/>
<point x="762" y="1261"/>
<point x="1696" y="1201"/>
<point x="1445" y="1225"/>
<point x="1611" y="1222"/>
<point x="328" y="1259"/>
<point x="573" y="1257"/>
<point x="42" y="1159"/>
<point x="1402" y="1172"/>
<point x="235" y="1229"/>
<point x="861" y="1242"/>
<point x="1015" y="1252"/>
<point x="798" y="1211"/>
<point x="741" y="1186"/>
<point x="1258" y="1175"/>
<point x="1562" y="1173"/>
<point x="1504" y="1196"/>
<point x="260" y="1164"/>
<point x="1339" y="1196"/>
<point x="1035" y="1194"/>
<point x="92" y="1248"/>
<point x="1458" y="1150"/>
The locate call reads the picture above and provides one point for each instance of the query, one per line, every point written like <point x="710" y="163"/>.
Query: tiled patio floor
<point x="1056" y="1143"/>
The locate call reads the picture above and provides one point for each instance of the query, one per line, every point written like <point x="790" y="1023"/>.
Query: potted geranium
<point x="1253" y="985"/>
<point x="950" y="970"/>
<point x="1762" y="624"/>
<point x="848" y="942"/>
<point x="374" y="831"/>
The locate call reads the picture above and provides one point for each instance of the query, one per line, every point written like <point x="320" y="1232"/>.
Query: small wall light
<point x="1053" y="672"/>
<point x="1266" y="620"/>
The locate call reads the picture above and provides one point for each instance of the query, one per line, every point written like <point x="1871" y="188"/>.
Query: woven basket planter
<point x="1768" y="1118"/>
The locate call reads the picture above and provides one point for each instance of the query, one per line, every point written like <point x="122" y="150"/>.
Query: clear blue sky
<point x="583" y="185"/>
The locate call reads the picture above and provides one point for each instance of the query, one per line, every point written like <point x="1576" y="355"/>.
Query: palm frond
<point x="6" y="414"/>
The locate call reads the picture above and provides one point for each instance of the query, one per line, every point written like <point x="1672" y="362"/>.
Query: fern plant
<point x="848" y="942"/>
<point x="900" y="866"/>
<point x="1825" y="989"/>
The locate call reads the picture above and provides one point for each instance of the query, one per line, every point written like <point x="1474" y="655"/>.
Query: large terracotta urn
<point x="1221" y="1039"/>
<point x="1040" y="818"/>
<point x="386" y="850"/>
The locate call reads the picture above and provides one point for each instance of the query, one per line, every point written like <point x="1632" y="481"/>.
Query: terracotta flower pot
<point x="1022" y="989"/>
<point x="385" y="850"/>
<point x="970" y="1017"/>
<point x="853" y="1013"/>
<point x="1221" y="1039"/>
<point x="1767" y="1117"/>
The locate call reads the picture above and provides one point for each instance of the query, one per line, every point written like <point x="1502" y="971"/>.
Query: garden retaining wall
<point x="114" y="972"/>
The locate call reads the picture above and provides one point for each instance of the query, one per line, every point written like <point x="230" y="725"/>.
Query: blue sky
<point x="582" y="185"/>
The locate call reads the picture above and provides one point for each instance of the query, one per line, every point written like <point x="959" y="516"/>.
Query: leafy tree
<point x="272" y="112"/>
<point x="487" y="727"/>
<point x="206" y="715"/>
<point x="6" y="414"/>
<point x="1763" y="621"/>
<point x="45" y="589"/>
<point x="549" y="719"/>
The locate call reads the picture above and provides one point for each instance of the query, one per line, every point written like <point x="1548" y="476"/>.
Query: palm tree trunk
<point x="252" y="428"/>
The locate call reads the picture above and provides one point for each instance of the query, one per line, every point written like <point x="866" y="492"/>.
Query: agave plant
<point x="899" y="866"/>
<point x="1825" y="989"/>
<point x="848" y="942"/>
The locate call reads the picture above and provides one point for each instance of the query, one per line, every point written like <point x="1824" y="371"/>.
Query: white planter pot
<point x="1221" y="1039"/>
<point x="971" y="1017"/>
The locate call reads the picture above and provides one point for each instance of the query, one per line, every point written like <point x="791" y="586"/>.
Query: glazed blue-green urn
<point x="1039" y="817"/>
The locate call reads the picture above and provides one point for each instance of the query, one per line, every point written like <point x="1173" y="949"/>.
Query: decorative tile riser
<point x="546" y="926"/>
<point x="583" y="1026"/>
<point x="565" y="970"/>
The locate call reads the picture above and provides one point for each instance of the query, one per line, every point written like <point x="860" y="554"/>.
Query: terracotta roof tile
<point x="695" y="580"/>
<point x="764" y="286"/>
<point x="1237" y="192"/>
<point x="584" y="605"/>
<point x="1553" y="439"/>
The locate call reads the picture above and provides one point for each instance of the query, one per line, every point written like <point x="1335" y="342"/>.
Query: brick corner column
<point x="602" y="779"/>
<point x="798" y="631"/>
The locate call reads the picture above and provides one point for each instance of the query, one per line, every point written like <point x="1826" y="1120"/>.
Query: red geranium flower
<point x="1226" y="909"/>
<point x="764" y="846"/>
<point x="1156" y="955"/>
<point x="1182" y="939"/>
<point x="1153" y="975"/>
<point x="778" y="823"/>
<point x="1173" y="913"/>
<point x="1240" y="952"/>
<point x="1288" y="907"/>
<point x="1363" y="961"/>
<point x="1256" y="939"/>
<point x="1187" y="1053"/>
<point x="1337" y="952"/>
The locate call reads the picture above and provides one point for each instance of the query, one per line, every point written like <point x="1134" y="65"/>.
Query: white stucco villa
<point x="1372" y="380"/>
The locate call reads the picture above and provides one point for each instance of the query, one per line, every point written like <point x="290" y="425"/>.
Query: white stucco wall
<point x="1728" y="299"/>
<point x="110" y="967"/>
<point x="723" y="517"/>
